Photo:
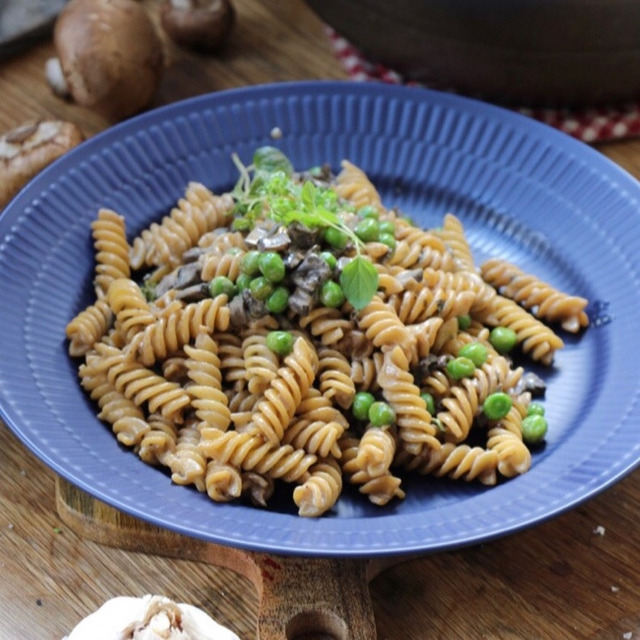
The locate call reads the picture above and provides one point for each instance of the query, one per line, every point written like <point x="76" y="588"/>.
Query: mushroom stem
<point x="55" y="77"/>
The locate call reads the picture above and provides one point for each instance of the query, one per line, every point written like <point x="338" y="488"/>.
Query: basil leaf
<point x="269" y="160"/>
<point x="359" y="280"/>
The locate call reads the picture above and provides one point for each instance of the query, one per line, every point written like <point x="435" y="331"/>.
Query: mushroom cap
<point x="29" y="148"/>
<point x="111" y="55"/>
<point x="205" y="25"/>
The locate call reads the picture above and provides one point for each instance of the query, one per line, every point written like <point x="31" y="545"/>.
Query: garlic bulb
<point x="149" y="618"/>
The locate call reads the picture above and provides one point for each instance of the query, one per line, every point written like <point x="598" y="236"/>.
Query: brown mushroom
<point x="202" y="25"/>
<point x="110" y="57"/>
<point x="29" y="148"/>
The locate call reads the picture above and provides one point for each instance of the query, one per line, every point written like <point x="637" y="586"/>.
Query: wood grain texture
<point x="573" y="577"/>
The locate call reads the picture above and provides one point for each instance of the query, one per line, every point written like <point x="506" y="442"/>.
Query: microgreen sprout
<point x="267" y="189"/>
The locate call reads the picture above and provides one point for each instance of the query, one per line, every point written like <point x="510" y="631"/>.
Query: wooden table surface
<point x="574" y="577"/>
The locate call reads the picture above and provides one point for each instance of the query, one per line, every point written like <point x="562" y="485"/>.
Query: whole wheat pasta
<point x="111" y="250"/>
<point x="297" y="330"/>
<point x="543" y="300"/>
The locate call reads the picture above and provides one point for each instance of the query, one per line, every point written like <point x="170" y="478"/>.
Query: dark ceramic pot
<point x="534" y="52"/>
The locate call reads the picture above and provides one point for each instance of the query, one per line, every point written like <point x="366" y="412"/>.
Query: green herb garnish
<point x="267" y="189"/>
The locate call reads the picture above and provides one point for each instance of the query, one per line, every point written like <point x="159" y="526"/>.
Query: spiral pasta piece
<point x="383" y="327"/>
<point x="466" y="397"/>
<point x="257" y="488"/>
<point x="535" y="338"/>
<point x="226" y="264"/>
<point x="353" y="184"/>
<point x="453" y="234"/>
<point x="316" y="406"/>
<point x="321" y="490"/>
<point x="409" y="255"/>
<point x="364" y="372"/>
<point x="334" y="377"/>
<point x="260" y="362"/>
<point x="376" y="450"/>
<point x="459" y="281"/>
<point x="231" y="360"/>
<point x="457" y="461"/>
<point x="126" y="418"/>
<point x="196" y="213"/>
<point x="423" y="303"/>
<point x="415" y="428"/>
<point x="205" y="389"/>
<point x="505" y="438"/>
<point x="132" y="311"/>
<point x="415" y="236"/>
<point x="425" y="335"/>
<point x="285" y="392"/>
<point x="171" y="332"/>
<point x="328" y="324"/>
<point x="249" y="451"/>
<point x="142" y="385"/>
<point x="158" y="445"/>
<point x="187" y="464"/>
<point x="242" y="405"/>
<point x="223" y="482"/>
<point x="111" y="250"/>
<point x="318" y="437"/>
<point x="88" y="326"/>
<point x="543" y="300"/>
<point x="381" y="489"/>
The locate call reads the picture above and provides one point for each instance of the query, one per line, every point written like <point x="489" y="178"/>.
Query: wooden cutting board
<point x="299" y="598"/>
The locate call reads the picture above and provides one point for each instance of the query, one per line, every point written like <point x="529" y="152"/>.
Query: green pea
<point x="243" y="281"/>
<point x="460" y="367"/>
<point x="234" y="251"/>
<point x="280" y="342"/>
<point x="329" y="258"/>
<point x="222" y="284"/>
<point x="271" y="266"/>
<point x="368" y="230"/>
<point x="503" y="339"/>
<point x="381" y="414"/>
<point x="278" y="301"/>
<point x="260" y="288"/>
<point x="241" y="224"/>
<point x="362" y="401"/>
<point x="388" y="239"/>
<point x="475" y="351"/>
<point x="497" y="405"/>
<point x="464" y="322"/>
<point x="336" y="238"/>
<point x="535" y="409"/>
<point x="429" y="400"/>
<point x="388" y="226"/>
<point x="250" y="263"/>
<point x="368" y="211"/>
<point x="534" y="428"/>
<point x="331" y="294"/>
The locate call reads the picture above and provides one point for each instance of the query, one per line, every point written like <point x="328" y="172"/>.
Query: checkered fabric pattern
<point x="589" y="125"/>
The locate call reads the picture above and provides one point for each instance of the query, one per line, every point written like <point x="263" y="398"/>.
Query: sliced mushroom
<point x="29" y="148"/>
<point x="110" y="57"/>
<point x="202" y="25"/>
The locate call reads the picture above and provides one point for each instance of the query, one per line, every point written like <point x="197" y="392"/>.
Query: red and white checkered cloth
<point x="587" y="124"/>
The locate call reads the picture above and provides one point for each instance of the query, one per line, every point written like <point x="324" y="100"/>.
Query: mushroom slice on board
<point x="29" y="148"/>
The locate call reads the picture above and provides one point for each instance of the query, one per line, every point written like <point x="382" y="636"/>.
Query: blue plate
<point x="523" y="191"/>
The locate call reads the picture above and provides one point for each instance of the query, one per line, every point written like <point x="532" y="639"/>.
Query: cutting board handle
<point x="299" y="598"/>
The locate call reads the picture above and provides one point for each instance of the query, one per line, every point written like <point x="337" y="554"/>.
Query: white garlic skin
<point x="127" y="618"/>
